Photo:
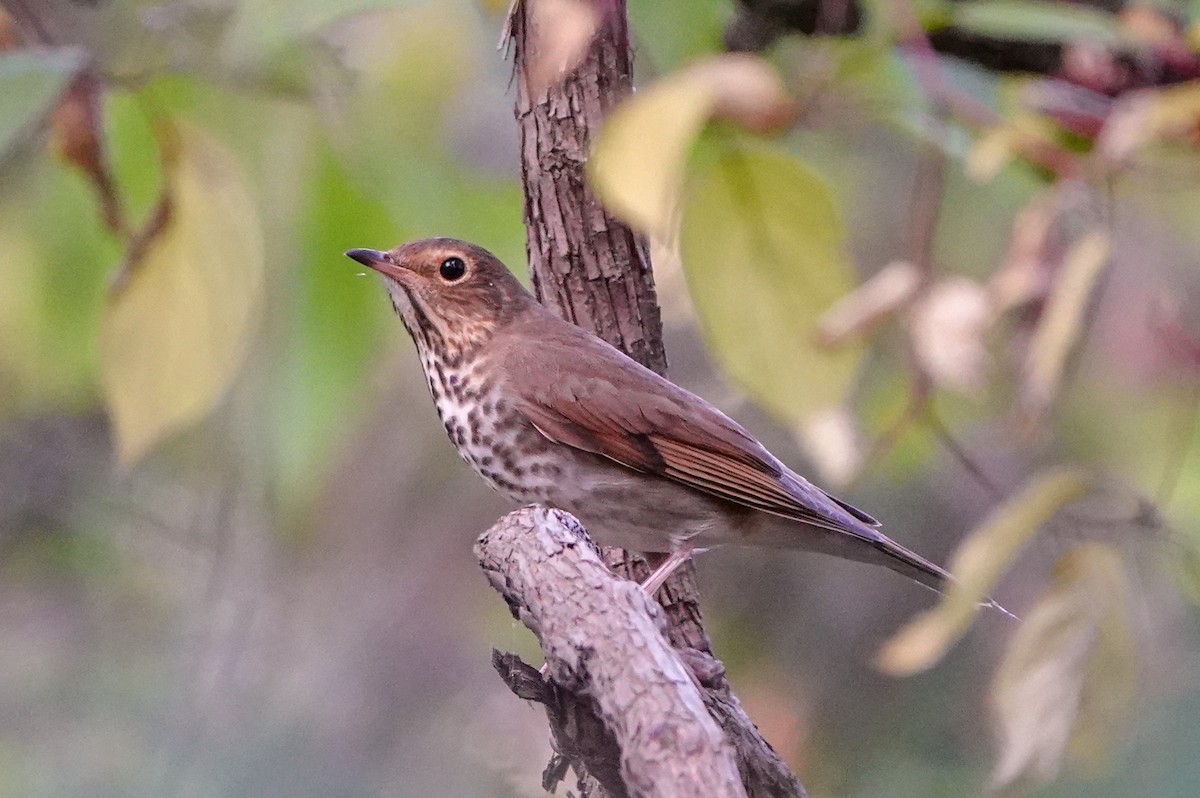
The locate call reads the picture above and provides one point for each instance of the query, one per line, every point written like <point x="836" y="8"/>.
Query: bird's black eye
<point x="452" y="269"/>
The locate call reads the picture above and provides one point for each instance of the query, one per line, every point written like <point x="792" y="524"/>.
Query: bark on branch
<point x="603" y="641"/>
<point x="627" y="710"/>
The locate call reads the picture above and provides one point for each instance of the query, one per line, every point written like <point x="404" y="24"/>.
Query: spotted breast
<point x="500" y="446"/>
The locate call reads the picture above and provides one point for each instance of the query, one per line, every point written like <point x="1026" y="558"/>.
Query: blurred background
<point x="273" y="594"/>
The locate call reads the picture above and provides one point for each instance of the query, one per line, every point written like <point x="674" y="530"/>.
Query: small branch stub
<point x="603" y="642"/>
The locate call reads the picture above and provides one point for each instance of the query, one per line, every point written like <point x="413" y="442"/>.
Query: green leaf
<point x="1068" y="678"/>
<point x="175" y="333"/>
<point x="30" y="86"/>
<point x="764" y="252"/>
<point x="132" y="151"/>
<point x="1033" y="21"/>
<point x="980" y="561"/>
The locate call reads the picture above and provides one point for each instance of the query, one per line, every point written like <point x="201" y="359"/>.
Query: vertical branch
<point x="591" y="269"/>
<point x="586" y="265"/>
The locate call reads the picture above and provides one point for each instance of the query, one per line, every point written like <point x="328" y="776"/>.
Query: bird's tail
<point x="891" y="554"/>
<point x="924" y="572"/>
<point x="862" y="543"/>
<point x="866" y="545"/>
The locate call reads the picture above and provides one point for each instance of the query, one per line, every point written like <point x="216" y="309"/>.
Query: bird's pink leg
<point x="665" y="569"/>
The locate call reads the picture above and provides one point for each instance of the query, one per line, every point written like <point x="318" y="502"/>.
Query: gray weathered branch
<point x="603" y="641"/>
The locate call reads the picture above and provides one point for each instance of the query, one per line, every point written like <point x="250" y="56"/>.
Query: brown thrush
<point x="546" y="412"/>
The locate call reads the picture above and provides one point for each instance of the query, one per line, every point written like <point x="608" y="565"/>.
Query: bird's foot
<point x="665" y="569"/>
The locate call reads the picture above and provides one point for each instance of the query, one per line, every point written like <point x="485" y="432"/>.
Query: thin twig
<point x="959" y="452"/>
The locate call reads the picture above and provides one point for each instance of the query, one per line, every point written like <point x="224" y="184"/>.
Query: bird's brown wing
<point x="612" y="407"/>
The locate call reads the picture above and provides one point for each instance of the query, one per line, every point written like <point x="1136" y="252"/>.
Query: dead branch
<point x="604" y="645"/>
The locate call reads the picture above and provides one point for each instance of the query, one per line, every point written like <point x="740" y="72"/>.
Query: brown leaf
<point x="77" y="130"/>
<point x="10" y="37"/>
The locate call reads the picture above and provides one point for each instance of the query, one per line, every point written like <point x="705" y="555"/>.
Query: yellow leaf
<point x="176" y="331"/>
<point x="765" y="257"/>
<point x="1067" y="681"/>
<point x="977" y="565"/>
<point x="637" y="167"/>
<point x="1062" y="319"/>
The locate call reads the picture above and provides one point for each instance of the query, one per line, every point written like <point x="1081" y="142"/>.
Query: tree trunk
<point x="586" y="265"/>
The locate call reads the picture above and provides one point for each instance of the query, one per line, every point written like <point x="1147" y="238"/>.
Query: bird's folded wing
<point x="664" y="430"/>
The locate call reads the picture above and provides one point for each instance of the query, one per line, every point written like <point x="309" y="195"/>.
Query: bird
<point x="548" y="413"/>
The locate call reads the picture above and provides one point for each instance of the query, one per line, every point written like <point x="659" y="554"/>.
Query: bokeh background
<point x="280" y="599"/>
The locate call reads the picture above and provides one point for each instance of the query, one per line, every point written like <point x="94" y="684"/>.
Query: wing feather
<point x="636" y="418"/>
<point x="738" y="482"/>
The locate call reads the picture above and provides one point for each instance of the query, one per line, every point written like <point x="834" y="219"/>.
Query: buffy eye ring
<point x="452" y="269"/>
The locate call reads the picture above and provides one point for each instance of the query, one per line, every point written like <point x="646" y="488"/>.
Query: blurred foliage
<point x="32" y="84"/>
<point x="1069" y="675"/>
<point x="942" y="284"/>
<point x="1034" y="20"/>
<point x="183" y="304"/>
<point x="979" y="562"/>
<point x="760" y="206"/>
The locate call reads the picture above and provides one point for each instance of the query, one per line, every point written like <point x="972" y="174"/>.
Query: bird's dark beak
<point x="376" y="260"/>
<point x="367" y="257"/>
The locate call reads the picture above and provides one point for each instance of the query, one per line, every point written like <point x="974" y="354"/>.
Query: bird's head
<point x="452" y="295"/>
